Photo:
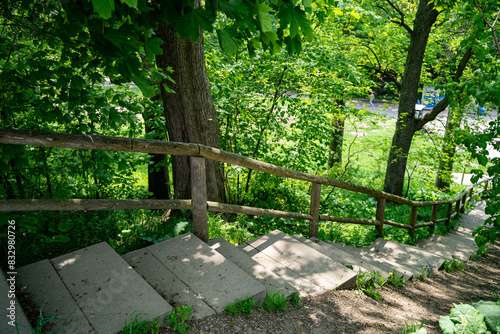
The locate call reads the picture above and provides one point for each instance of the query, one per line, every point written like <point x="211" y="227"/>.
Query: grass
<point x="139" y="326"/>
<point x="275" y="302"/>
<point x="450" y="265"/>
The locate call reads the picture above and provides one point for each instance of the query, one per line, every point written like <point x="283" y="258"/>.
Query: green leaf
<point x="65" y="226"/>
<point x="130" y="3"/>
<point x="491" y="313"/>
<point x="187" y="27"/>
<point x="228" y="41"/>
<point x="145" y="86"/>
<point x="265" y="18"/>
<point x="153" y="48"/>
<point x="60" y="238"/>
<point x="446" y="325"/>
<point x="295" y="18"/>
<point x="104" y="7"/>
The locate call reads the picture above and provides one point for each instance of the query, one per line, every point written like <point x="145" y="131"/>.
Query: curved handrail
<point x="107" y="143"/>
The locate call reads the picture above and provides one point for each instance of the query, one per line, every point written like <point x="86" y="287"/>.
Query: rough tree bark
<point x="189" y="110"/>
<point x="406" y="123"/>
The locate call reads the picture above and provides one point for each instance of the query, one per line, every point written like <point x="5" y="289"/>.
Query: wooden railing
<point x="199" y="203"/>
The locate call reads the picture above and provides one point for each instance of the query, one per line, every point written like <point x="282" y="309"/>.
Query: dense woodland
<point x="271" y="80"/>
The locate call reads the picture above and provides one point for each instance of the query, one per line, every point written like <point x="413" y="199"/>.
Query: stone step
<point x="407" y="254"/>
<point x="169" y="286"/>
<point x="340" y="256"/>
<point x="91" y="290"/>
<point x="271" y="281"/>
<point x="41" y="281"/>
<point x="12" y="312"/>
<point x="210" y="276"/>
<point x="107" y="289"/>
<point x="446" y="247"/>
<point x="299" y="281"/>
<point x="384" y="263"/>
<point x="311" y="264"/>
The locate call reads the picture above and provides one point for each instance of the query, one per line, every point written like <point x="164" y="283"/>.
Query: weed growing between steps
<point x="450" y="265"/>
<point x="179" y="317"/>
<point x="275" y="302"/>
<point x="139" y="326"/>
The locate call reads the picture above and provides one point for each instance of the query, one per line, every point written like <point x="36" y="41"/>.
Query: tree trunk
<point x="405" y="126"/>
<point x="158" y="175"/>
<point x="189" y="110"/>
<point x="337" y="139"/>
<point x="443" y="176"/>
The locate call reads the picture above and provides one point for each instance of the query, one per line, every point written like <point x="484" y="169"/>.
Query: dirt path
<point x="353" y="312"/>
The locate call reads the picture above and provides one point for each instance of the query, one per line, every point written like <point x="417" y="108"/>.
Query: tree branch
<point x="491" y="26"/>
<point x="444" y="102"/>
<point x="401" y="21"/>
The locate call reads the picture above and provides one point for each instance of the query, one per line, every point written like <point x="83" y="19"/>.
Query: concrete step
<point x="92" y="290"/>
<point x="169" y="286"/>
<point x="41" y="281"/>
<point x="13" y="314"/>
<point x="446" y="247"/>
<point x="210" y="276"/>
<point x="271" y="281"/>
<point x="107" y="289"/>
<point x="382" y="262"/>
<point x="311" y="264"/>
<point x="407" y="254"/>
<point x="343" y="257"/>
<point x="299" y="281"/>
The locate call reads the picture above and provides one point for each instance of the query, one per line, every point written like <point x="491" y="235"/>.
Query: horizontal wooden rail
<point x="92" y="204"/>
<point x="199" y="203"/>
<point x="247" y="210"/>
<point x="346" y="220"/>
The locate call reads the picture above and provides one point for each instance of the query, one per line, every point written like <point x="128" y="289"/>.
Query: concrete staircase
<point x="94" y="290"/>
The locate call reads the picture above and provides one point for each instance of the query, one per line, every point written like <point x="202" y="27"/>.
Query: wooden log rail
<point x="199" y="203"/>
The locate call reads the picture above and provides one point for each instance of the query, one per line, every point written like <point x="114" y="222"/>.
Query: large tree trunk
<point x="405" y="126"/>
<point x="189" y="110"/>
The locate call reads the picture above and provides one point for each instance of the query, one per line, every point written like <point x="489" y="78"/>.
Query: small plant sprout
<point x="413" y="327"/>
<point x="395" y="278"/>
<point x="179" y="318"/>
<point x="275" y="301"/>
<point x="241" y="306"/>
<point x="139" y="326"/>
<point x="295" y="299"/>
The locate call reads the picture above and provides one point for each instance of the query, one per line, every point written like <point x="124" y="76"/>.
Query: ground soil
<point x="351" y="311"/>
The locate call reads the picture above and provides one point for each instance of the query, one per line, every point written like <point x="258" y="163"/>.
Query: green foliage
<point x="139" y="326"/>
<point x="295" y="299"/>
<point x="450" y="265"/>
<point x="413" y="327"/>
<point x="369" y="282"/>
<point x="179" y="317"/>
<point x="241" y="306"/>
<point x="396" y="279"/>
<point x="41" y="324"/>
<point x="491" y="313"/>
<point x="463" y="318"/>
<point x="275" y="301"/>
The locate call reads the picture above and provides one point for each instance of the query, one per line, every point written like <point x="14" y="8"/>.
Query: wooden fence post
<point x="380" y="216"/>
<point x="199" y="198"/>
<point x="448" y="215"/>
<point x="433" y="217"/>
<point x="457" y="206"/>
<point x="486" y="185"/>
<point x="471" y="192"/>
<point x="315" y="198"/>
<point x="413" y="220"/>
<point x="464" y="200"/>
